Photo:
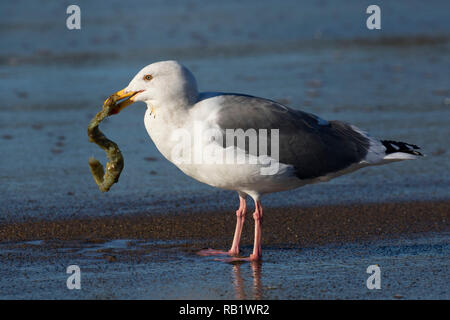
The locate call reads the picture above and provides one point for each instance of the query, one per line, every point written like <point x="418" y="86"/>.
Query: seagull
<point x="248" y="144"/>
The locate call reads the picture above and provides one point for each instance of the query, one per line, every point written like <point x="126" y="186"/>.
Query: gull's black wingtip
<point x="397" y="146"/>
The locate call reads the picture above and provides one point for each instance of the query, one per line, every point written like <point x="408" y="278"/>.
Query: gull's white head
<point x="161" y="83"/>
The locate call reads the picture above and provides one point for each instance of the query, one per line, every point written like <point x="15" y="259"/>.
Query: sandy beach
<point x="297" y="227"/>
<point x="139" y="240"/>
<point x="323" y="251"/>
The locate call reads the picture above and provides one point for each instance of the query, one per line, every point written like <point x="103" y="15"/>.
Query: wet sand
<point x="139" y="240"/>
<point x="282" y="226"/>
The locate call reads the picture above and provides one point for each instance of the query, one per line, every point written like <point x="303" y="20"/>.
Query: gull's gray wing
<point x="314" y="147"/>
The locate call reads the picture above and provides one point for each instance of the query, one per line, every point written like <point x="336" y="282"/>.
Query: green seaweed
<point x="105" y="178"/>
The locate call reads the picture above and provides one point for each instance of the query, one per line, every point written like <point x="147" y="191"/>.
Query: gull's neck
<point x="163" y="119"/>
<point x="172" y="112"/>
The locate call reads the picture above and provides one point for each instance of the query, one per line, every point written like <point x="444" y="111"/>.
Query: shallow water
<point x="414" y="268"/>
<point x="317" y="56"/>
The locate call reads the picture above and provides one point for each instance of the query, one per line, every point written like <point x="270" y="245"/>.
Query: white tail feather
<point x="400" y="156"/>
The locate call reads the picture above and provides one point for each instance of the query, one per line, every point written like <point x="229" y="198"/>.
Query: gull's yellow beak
<point x="120" y="95"/>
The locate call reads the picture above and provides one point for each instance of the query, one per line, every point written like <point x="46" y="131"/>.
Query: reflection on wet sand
<point x="238" y="281"/>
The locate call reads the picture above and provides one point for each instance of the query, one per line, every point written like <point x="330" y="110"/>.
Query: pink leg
<point x="240" y="218"/>
<point x="257" y="253"/>
<point x="258" y="216"/>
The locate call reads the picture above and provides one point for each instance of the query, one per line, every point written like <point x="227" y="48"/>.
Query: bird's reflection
<point x="238" y="281"/>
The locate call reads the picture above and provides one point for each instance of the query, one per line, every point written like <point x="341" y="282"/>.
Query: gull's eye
<point x="148" y="77"/>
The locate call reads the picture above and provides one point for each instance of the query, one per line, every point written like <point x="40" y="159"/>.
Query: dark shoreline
<point x="291" y="227"/>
